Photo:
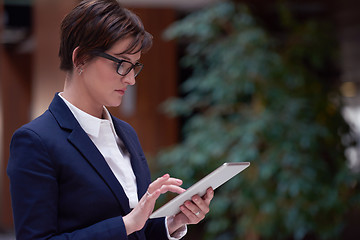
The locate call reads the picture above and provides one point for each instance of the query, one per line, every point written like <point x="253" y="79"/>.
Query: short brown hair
<point x="95" y="25"/>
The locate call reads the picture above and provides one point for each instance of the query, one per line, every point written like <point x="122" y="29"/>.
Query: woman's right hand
<point x="137" y="218"/>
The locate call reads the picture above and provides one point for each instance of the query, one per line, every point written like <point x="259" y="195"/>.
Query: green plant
<point x="253" y="97"/>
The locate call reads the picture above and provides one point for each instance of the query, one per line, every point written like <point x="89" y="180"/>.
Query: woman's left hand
<point x="192" y="212"/>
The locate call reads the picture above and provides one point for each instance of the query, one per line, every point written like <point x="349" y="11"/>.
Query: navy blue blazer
<point x="61" y="186"/>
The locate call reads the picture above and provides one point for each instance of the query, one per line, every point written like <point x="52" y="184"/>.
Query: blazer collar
<point x="62" y="113"/>
<point x="83" y="143"/>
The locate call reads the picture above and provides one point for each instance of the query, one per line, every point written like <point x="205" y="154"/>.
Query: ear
<point x="75" y="60"/>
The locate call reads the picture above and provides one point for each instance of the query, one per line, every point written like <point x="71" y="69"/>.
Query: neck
<point x="77" y="96"/>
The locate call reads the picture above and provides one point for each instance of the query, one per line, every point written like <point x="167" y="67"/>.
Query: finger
<point x="158" y="183"/>
<point x="164" y="181"/>
<point x="194" y="209"/>
<point x="192" y="212"/>
<point x="208" y="196"/>
<point x="201" y="204"/>
<point x="171" y="188"/>
<point x="173" y="181"/>
<point x="150" y="198"/>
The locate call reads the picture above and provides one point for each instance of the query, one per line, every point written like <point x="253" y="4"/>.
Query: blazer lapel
<point x="136" y="160"/>
<point x="83" y="143"/>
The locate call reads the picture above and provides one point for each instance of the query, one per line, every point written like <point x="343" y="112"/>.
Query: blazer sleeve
<point x="155" y="229"/>
<point x="34" y="193"/>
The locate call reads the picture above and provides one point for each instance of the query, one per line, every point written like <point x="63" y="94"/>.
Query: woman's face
<point x="103" y="85"/>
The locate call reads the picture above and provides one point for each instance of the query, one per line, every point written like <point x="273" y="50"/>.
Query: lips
<point x="121" y="91"/>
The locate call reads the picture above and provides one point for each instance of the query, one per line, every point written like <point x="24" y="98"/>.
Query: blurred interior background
<point x="292" y="64"/>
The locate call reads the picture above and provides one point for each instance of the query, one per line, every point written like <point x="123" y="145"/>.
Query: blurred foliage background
<point x="272" y="101"/>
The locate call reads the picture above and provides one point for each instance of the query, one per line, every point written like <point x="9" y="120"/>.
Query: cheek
<point x="100" y="76"/>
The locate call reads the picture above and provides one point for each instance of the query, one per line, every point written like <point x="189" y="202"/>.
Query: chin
<point x="114" y="102"/>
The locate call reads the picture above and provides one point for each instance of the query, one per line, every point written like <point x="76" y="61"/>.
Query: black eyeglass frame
<point x="137" y="65"/>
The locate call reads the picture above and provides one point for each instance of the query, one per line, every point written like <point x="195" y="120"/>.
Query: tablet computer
<point x="215" y="179"/>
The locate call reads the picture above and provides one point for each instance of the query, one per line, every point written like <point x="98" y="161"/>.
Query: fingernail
<point x="165" y="175"/>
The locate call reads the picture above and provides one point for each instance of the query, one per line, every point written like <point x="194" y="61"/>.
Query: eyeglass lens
<point x="125" y="67"/>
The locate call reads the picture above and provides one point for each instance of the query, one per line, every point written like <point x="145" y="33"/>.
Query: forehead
<point x="121" y="47"/>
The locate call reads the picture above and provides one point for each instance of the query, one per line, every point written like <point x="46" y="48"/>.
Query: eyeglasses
<point x="123" y="67"/>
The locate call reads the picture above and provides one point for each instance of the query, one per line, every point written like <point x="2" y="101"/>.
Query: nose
<point x="130" y="78"/>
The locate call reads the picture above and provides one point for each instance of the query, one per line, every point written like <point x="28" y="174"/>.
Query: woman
<point x="76" y="172"/>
